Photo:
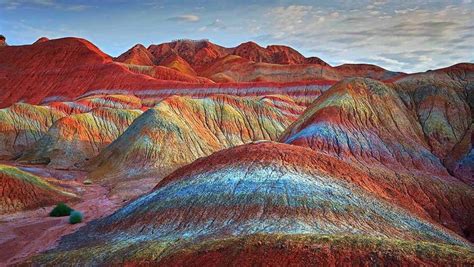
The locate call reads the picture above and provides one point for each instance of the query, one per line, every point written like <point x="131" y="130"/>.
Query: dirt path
<point x="25" y="234"/>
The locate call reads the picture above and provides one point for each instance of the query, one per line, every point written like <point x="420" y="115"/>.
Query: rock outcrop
<point x="20" y="190"/>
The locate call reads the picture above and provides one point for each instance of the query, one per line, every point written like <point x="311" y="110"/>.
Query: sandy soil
<point x="28" y="233"/>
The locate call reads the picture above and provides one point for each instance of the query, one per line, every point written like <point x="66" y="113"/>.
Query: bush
<point x="61" y="210"/>
<point x="75" y="217"/>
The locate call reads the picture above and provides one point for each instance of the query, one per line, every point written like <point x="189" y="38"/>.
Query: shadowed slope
<point x="264" y="188"/>
<point x="21" y="190"/>
<point x="179" y="130"/>
<point x="367" y="124"/>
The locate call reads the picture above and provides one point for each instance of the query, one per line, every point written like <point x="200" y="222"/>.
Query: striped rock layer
<point x="71" y="141"/>
<point x="179" y="130"/>
<point x="65" y="69"/>
<point x="20" y="190"/>
<point x="23" y="125"/>
<point x="267" y="189"/>
<point x="443" y="101"/>
<point x="368" y="124"/>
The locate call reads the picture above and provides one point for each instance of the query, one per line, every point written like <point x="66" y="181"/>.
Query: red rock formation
<point x="137" y="55"/>
<point x="179" y="130"/>
<point x="197" y="53"/>
<point x="64" y="69"/>
<point x="443" y="102"/>
<point x="20" y="190"/>
<point x="274" y="54"/>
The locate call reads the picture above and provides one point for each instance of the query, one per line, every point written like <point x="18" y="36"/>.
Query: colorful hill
<point x="21" y="191"/>
<point x="265" y="189"/>
<point x="179" y="130"/>
<point x="21" y="125"/>
<point x="365" y="121"/>
<point x="71" y="141"/>
<point x="443" y="103"/>
<point x="367" y="124"/>
<point x="68" y="68"/>
<point x="61" y="69"/>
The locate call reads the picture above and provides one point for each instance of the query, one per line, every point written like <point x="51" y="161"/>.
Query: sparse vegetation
<point x="75" y="217"/>
<point x="61" y="210"/>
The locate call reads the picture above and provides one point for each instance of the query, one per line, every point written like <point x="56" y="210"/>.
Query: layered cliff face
<point x="265" y="188"/>
<point x="367" y="124"/>
<point x="71" y="141"/>
<point x="21" y="191"/>
<point x="179" y="130"/>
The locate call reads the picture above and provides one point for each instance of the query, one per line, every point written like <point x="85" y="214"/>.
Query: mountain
<point x="265" y="189"/>
<point x="137" y="55"/>
<point x="368" y="124"/>
<point x="179" y="130"/>
<point x="22" y="125"/>
<point x="72" y="140"/>
<point x="244" y="155"/>
<point x="443" y="101"/>
<point x="62" y="69"/>
<point x="23" y="191"/>
<point x="249" y="62"/>
<point x="67" y="68"/>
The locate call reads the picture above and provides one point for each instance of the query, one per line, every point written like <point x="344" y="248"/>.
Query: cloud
<point x="185" y="18"/>
<point x="216" y="25"/>
<point x="398" y="36"/>
<point x="15" y="4"/>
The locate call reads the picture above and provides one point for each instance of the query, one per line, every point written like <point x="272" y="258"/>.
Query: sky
<point x="402" y="35"/>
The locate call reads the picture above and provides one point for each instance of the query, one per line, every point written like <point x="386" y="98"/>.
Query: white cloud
<point x="185" y="18"/>
<point x="396" y="30"/>
<point x="14" y="4"/>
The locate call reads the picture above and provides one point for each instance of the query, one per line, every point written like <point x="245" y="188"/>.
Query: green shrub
<point x="61" y="210"/>
<point x="75" y="217"/>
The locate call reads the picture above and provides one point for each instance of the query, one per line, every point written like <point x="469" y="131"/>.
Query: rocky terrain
<point x="23" y="191"/>
<point x="190" y="153"/>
